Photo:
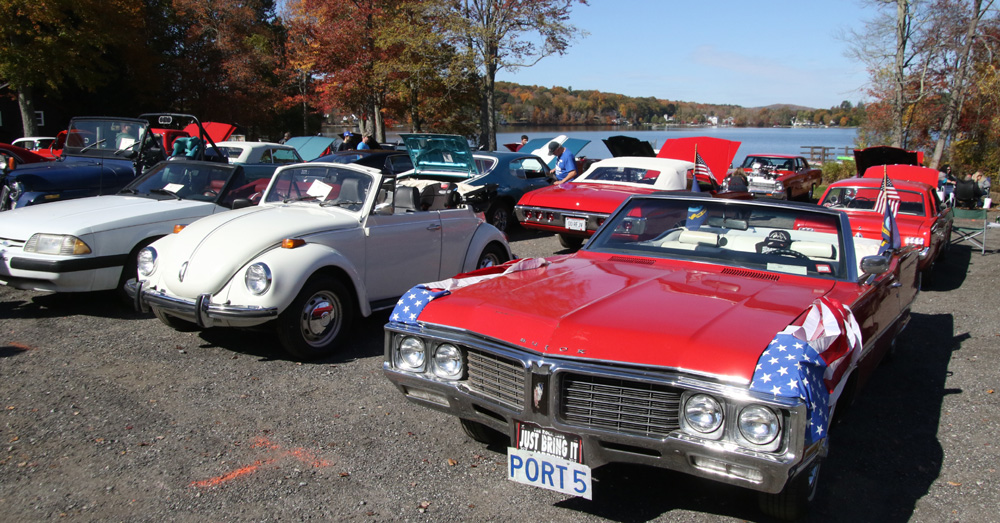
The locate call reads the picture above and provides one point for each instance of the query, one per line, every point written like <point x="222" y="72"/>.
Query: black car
<point x="389" y="161"/>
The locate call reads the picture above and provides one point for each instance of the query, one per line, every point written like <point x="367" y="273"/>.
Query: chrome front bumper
<point x="200" y="311"/>
<point x="544" y="398"/>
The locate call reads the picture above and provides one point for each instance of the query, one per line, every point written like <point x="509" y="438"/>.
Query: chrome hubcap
<point x="321" y="319"/>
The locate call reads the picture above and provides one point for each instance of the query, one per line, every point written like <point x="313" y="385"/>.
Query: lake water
<point x="784" y="140"/>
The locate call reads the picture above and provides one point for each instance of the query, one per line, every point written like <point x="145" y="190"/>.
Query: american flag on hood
<point x="809" y="362"/>
<point x="411" y="304"/>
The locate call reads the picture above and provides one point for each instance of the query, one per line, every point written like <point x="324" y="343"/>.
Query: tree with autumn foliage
<point x="498" y="35"/>
<point x="46" y="46"/>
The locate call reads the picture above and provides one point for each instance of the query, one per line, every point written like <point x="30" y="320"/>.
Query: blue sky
<point x="750" y="53"/>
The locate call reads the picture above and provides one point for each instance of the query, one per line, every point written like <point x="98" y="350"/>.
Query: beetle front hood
<point x="668" y="315"/>
<point x="215" y="247"/>
<point x="97" y="214"/>
<point x="583" y="197"/>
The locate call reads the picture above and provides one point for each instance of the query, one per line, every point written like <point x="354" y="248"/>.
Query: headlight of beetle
<point x="411" y="354"/>
<point x="258" y="279"/>
<point x="146" y="261"/>
<point x="63" y="244"/>
<point x="703" y="413"/>
<point x="758" y="424"/>
<point x="448" y="361"/>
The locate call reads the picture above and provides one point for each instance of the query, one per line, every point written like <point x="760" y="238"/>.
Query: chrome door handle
<point x="434" y="227"/>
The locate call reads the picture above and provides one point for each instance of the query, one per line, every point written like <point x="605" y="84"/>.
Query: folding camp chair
<point x="970" y="225"/>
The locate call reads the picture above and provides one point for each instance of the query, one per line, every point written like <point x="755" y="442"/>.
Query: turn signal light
<point x="291" y="243"/>
<point x="179" y="227"/>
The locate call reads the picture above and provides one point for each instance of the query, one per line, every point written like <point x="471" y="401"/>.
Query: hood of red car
<point x="665" y="314"/>
<point x="717" y="153"/>
<point x="584" y="197"/>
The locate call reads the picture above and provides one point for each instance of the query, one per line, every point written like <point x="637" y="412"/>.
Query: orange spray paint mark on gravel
<point x="271" y="448"/>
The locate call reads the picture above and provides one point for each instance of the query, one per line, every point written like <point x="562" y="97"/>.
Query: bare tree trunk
<point x="957" y="99"/>
<point x="26" y="101"/>
<point x="303" y="86"/>
<point x="899" y="71"/>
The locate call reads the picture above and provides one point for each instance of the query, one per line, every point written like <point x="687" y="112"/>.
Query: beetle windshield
<point x="744" y="234"/>
<point x="346" y="188"/>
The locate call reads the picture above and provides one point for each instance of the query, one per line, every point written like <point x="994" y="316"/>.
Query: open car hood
<point x="218" y="132"/>
<point x="628" y="146"/>
<point x="884" y="155"/>
<point x="910" y="173"/>
<point x="718" y="153"/>
<point x="311" y="147"/>
<point x="440" y="153"/>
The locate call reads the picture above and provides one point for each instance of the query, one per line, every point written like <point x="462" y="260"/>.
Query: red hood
<point x="583" y="197"/>
<point x="869" y="224"/>
<point x="912" y="173"/>
<point x="717" y="152"/>
<point x="668" y="314"/>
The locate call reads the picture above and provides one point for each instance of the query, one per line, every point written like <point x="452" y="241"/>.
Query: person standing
<point x="285" y="138"/>
<point x="566" y="166"/>
<point x="524" y="141"/>
<point x="364" y="143"/>
<point x="346" y="145"/>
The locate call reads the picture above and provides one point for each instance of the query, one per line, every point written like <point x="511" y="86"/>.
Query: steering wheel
<point x="789" y="252"/>
<point x="210" y="193"/>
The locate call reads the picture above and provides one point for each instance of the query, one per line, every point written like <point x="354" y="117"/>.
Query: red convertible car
<point x="923" y="220"/>
<point x="627" y="351"/>
<point x="574" y="210"/>
<point x="781" y="176"/>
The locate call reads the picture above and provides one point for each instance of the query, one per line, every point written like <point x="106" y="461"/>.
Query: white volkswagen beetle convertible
<point x="327" y="242"/>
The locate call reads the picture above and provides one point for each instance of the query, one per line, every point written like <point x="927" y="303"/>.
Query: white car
<point x="34" y="143"/>
<point x="90" y="244"/>
<point x="328" y="241"/>
<point x="260" y="152"/>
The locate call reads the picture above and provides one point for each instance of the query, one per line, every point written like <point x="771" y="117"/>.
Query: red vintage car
<point x="923" y="220"/>
<point x="574" y="210"/>
<point x="781" y="176"/>
<point x="19" y="156"/>
<point x="710" y="336"/>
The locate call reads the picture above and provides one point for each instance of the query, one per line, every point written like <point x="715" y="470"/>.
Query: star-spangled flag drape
<point x="810" y="361"/>
<point x="410" y="305"/>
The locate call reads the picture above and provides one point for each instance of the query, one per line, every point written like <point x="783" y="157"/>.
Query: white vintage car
<point x="90" y="244"/>
<point x="260" y="152"/>
<point x="329" y="241"/>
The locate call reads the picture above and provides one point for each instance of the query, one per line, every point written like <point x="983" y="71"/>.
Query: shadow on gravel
<point x="12" y="350"/>
<point x="950" y="271"/>
<point x="883" y="457"/>
<point x="104" y="304"/>
<point x="365" y="340"/>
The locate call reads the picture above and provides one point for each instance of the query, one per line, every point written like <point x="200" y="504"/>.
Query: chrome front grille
<point x="762" y="187"/>
<point x="617" y="405"/>
<point x="497" y="379"/>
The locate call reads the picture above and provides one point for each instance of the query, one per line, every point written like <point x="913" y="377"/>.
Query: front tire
<point x="793" y="501"/>
<point x="482" y="433"/>
<point x="500" y="215"/>
<point x="492" y="256"/>
<point x="317" y="319"/>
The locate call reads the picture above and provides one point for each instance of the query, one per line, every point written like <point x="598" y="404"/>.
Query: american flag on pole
<point x="887" y="195"/>
<point x="700" y="167"/>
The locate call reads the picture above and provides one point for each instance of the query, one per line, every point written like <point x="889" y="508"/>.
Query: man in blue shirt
<point x="566" y="166"/>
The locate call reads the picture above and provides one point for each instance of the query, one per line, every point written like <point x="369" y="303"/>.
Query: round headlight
<point x="758" y="424"/>
<point x="703" y="413"/>
<point x="146" y="261"/>
<point x="448" y="361"/>
<point x="258" y="279"/>
<point x="412" y="353"/>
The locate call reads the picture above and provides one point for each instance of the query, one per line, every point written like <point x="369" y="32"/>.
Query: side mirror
<point x="240" y="203"/>
<point x="384" y="208"/>
<point x="872" y="266"/>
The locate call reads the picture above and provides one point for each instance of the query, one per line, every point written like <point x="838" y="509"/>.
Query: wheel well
<point x="341" y="275"/>
<point x="138" y="247"/>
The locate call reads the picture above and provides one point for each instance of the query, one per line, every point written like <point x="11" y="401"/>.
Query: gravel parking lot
<point x="110" y="415"/>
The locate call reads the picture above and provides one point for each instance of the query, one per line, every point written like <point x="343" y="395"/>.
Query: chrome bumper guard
<point x="199" y="311"/>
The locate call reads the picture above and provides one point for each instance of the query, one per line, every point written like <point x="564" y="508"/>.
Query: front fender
<point x="290" y="268"/>
<point x="484" y="235"/>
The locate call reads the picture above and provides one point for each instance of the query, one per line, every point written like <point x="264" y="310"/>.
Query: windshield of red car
<point x="749" y="235"/>
<point x="863" y="198"/>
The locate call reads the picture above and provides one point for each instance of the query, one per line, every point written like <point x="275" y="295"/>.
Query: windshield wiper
<point x="126" y="190"/>
<point x="95" y="144"/>
<point x="164" y="191"/>
<point x="299" y="199"/>
<point x="340" y="203"/>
